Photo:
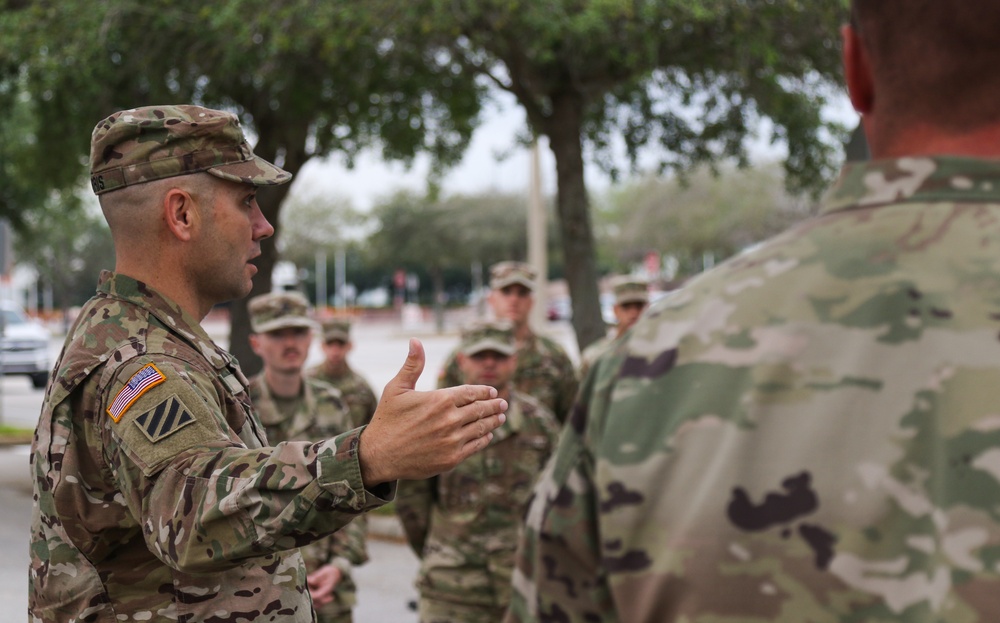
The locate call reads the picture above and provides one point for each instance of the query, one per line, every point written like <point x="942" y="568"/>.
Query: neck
<point x="335" y="369"/>
<point x="924" y="139"/>
<point x="522" y="332"/>
<point x="283" y="384"/>
<point x="164" y="281"/>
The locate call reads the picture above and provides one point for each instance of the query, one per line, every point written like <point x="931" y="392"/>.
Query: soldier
<point x="809" y="431"/>
<point x="463" y="524"/>
<point x="156" y="494"/>
<point x="631" y="298"/>
<point x="335" y="370"/>
<point x="295" y="408"/>
<point x="543" y="369"/>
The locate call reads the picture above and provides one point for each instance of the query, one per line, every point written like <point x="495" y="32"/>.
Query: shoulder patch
<point x="147" y="377"/>
<point x="164" y="419"/>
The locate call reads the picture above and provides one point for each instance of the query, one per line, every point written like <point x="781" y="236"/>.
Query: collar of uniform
<point x="126" y="288"/>
<point x="913" y="180"/>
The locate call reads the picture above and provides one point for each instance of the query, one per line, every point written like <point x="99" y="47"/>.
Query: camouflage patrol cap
<point x="504" y="274"/>
<point x="336" y="329"/>
<point x="279" y="310"/>
<point x="630" y="290"/>
<point x="155" y="142"/>
<point x="495" y="335"/>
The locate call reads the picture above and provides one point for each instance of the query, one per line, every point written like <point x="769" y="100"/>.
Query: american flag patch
<point x="149" y="376"/>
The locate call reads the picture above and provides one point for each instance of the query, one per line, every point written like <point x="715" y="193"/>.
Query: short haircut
<point x="933" y="61"/>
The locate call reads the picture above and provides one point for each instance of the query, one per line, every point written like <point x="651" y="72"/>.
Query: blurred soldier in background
<point x="335" y="370"/>
<point x="463" y="524"/>
<point x="294" y="408"/>
<point x="810" y="431"/>
<point x="631" y="299"/>
<point x="543" y="368"/>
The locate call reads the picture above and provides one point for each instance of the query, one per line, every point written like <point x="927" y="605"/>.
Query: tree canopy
<point x="698" y="215"/>
<point x="690" y="79"/>
<point x="680" y="81"/>
<point x="306" y="78"/>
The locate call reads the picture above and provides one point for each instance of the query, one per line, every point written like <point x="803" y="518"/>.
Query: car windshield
<point x="12" y="317"/>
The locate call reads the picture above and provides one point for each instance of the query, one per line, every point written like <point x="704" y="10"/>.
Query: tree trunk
<point x="274" y="138"/>
<point x="564" y="128"/>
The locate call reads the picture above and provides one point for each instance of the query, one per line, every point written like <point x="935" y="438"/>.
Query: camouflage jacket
<point x="808" y="432"/>
<point x="156" y="496"/>
<point x="320" y="414"/>
<point x="354" y="389"/>
<point x="463" y="524"/>
<point x="595" y="350"/>
<point x="544" y="371"/>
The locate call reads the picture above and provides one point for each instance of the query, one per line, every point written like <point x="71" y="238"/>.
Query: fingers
<point x="475" y="445"/>
<point x="467" y="394"/>
<point x="407" y="376"/>
<point x="481" y="409"/>
<point x="482" y="427"/>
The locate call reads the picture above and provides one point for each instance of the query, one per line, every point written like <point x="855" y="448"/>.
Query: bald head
<point x="932" y="62"/>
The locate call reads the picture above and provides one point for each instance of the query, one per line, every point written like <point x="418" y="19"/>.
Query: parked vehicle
<point x="24" y="347"/>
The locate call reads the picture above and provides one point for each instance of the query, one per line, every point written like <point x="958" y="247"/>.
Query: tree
<point x="691" y="78"/>
<point x="700" y="214"/>
<point x="441" y="235"/>
<point x="306" y="78"/>
<point x="68" y="245"/>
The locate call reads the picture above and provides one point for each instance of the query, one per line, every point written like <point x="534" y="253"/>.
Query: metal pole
<point x="321" y="297"/>
<point x="340" y="276"/>
<point x="537" y="239"/>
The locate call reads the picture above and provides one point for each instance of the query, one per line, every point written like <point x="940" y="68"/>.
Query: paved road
<point x="385" y="584"/>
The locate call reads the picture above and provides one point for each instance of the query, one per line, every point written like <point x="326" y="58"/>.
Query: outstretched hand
<point x="415" y="435"/>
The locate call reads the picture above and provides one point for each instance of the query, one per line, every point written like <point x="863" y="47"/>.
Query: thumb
<point x="406" y="378"/>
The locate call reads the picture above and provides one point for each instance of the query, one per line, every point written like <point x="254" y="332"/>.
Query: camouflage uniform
<point x="463" y="524"/>
<point x="595" y="350"/>
<point x="808" y="432"/>
<point x="354" y="389"/>
<point x="156" y="496"/>
<point x="544" y="371"/>
<point x="320" y="414"/>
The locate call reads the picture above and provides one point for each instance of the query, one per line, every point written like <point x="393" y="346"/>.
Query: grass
<point x="14" y="435"/>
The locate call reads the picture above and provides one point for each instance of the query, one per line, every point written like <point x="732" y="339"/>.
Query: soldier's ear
<point x="180" y="213"/>
<point x="255" y="343"/>
<point x="857" y="71"/>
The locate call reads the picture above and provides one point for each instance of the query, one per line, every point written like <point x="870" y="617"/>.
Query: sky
<point x="493" y="162"/>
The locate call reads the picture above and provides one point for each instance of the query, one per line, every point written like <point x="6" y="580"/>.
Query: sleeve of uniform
<point x="414" y="500"/>
<point x="203" y="499"/>
<point x="557" y="576"/>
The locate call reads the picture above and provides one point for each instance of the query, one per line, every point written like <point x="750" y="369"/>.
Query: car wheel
<point x="39" y="380"/>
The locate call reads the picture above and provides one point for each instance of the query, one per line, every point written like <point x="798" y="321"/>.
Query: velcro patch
<point x="147" y="377"/>
<point x="164" y="419"/>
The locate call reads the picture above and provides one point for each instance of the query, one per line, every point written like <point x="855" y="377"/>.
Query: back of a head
<point x="933" y="62"/>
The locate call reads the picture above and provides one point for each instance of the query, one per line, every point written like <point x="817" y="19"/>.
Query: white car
<point x="24" y="347"/>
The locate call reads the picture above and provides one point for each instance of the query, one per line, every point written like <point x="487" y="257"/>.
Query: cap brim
<point x="284" y="323"/>
<point x="500" y="284"/>
<point x="633" y="298"/>
<point x="256" y="171"/>
<point x="485" y="345"/>
<point x="336" y="335"/>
